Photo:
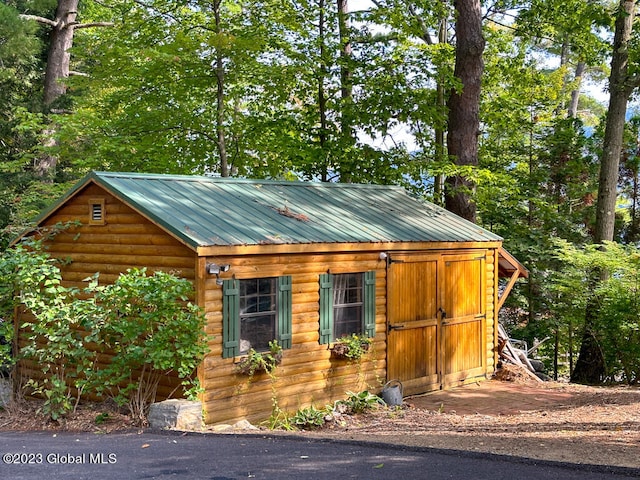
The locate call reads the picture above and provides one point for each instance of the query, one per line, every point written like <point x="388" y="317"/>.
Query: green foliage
<point x="617" y="324"/>
<point x="22" y="56"/>
<point x="278" y="420"/>
<point x="361" y="402"/>
<point x="6" y="339"/>
<point x="28" y="275"/>
<point x="256" y="362"/>
<point x="145" y="322"/>
<point x="573" y="21"/>
<point x="54" y="338"/>
<point x="101" y="418"/>
<point x="309" y="418"/>
<point x="57" y="396"/>
<point x="152" y="330"/>
<point x="351" y="346"/>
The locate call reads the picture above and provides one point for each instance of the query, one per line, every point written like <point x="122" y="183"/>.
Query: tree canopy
<point x="346" y="91"/>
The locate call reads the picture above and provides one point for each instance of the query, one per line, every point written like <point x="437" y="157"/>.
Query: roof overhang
<point x="49" y="211"/>
<point x="509" y="267"/>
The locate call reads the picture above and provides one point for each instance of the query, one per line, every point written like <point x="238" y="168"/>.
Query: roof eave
<point x="48" y="212"/>
<point x="127" y="200"/>
<point x="331" y="247"/>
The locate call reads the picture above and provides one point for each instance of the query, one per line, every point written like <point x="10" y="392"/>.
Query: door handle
<point x="394" y="327"/>
<point x="443" y="315"/>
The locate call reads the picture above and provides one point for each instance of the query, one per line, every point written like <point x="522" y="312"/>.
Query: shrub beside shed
<point x="303" y="264"/>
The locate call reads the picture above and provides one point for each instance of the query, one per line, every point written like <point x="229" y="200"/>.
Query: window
<point x="258" y="306"/>
<point x="347" y="305"/>
<point x="96" y="211"/>
<point x="255" y="312"/>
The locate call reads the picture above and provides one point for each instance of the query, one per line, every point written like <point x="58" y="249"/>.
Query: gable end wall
<point x="126" y="240"/>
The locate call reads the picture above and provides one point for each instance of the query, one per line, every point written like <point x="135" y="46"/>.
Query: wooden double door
<point x="436" y="315"/>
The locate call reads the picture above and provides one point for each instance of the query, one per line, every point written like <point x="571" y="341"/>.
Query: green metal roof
<point x="210" y="211"/>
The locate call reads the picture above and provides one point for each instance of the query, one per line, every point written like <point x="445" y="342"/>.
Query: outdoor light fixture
<point x="215" y="269"/>
<point x="383" y="255"/>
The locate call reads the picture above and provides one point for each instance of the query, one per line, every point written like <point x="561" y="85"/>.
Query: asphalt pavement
<point x="172" y="455"/>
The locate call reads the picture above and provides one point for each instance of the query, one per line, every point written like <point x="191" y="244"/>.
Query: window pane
<point x="257" y="313"/>
<point x="347" y="304"/>
<point x="256" y="332"/>
<point x="347" y="320"/>
<point x="353" y="294"/>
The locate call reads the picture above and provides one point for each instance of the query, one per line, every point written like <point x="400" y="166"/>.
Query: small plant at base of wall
<point x="361" y="402"/>
<point x="310" y="418"/>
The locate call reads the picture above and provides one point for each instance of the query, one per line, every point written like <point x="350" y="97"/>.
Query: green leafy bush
<point x="54" y="332"/>
<point x="145" y="322"/>
<point x="152" y="330"/>
<point x="615" y="297"/>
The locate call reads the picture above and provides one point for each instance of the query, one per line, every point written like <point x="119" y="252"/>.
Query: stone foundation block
<point x="176" y="413"/>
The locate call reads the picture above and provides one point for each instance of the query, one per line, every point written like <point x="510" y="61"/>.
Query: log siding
<point x="307" y="375"/>
<point x="126" y="240"/>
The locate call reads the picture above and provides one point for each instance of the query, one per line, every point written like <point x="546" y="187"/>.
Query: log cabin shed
<point x="303" y="263"/>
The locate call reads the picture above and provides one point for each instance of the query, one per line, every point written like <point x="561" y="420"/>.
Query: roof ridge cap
<point x="216" y="179"/>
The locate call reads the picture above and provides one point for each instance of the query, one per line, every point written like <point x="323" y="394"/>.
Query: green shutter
<point x="230" y="318"/>
<point x="326" y="308"/>
<point x="369" y="317"/>
<point x="284" y="311"/>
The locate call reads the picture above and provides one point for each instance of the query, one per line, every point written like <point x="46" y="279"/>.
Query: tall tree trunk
<point x="322" y="97"/>
<point x="58" y="57"/>
<point x="57" y="71"/>
<point x="464" y="106"/>
<point x="346" y="92"/>
<point x="620" y="90"/>
<point x="438" y="181"/>
<point x="572" y="111"/>
<point x="63" y="27"/>
<point x="590" y="367"/>
<point x="220" y="96"/>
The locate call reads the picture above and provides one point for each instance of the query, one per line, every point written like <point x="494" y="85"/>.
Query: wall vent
<point x="96" y="211"/>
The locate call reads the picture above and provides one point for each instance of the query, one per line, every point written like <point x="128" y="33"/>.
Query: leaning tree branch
<point x="426" y="36"/>
<point x="75" y="25"/>
<point x="39" y="19"/>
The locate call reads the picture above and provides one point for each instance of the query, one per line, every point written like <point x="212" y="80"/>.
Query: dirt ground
<point x="512" y="415"/>
<point x="509" y="415"/>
